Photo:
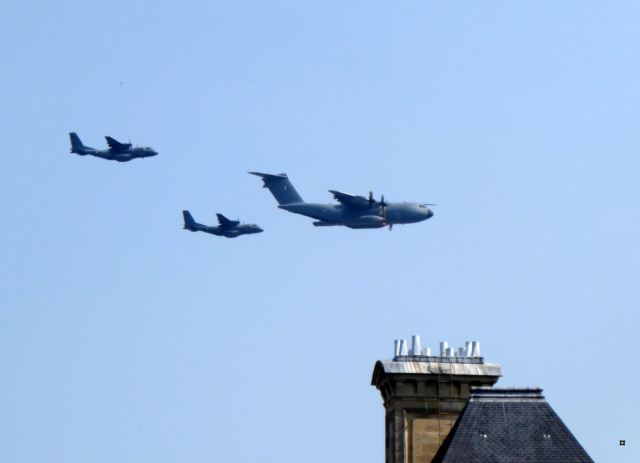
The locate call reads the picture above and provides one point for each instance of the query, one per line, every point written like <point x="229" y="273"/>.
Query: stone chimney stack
<point x="424" y="395"/>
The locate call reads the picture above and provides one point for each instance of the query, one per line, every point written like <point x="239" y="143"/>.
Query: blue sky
<point x="125" y="338"/>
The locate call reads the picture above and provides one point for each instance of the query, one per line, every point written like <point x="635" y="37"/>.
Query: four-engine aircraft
<point x="121" y="152"/>
<point x="353" y="211"/>
<point x="227" y="228"/>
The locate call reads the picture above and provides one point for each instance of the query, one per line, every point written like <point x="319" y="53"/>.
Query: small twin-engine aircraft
<point x="227" y="228"/>
<point x="121" y="152"/>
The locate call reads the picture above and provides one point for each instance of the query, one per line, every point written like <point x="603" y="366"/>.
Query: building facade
<point x="424" y="395"/>
<point x="444" y="409"/>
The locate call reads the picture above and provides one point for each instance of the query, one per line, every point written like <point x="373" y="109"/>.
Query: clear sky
<point x="125" y="338"/>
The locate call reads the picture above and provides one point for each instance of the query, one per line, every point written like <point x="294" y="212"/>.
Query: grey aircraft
<point x="227" y="228"/>
<point x="353" y="211"/>
<point x="121" y="152"/>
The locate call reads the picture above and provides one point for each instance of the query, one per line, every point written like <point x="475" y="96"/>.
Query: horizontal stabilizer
<point x="269" y="176"/>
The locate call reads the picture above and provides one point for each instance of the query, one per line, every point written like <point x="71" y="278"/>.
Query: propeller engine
<point x="383" y="208"/>
<point x="373" y="202"/>
<point x="382" y="205"/>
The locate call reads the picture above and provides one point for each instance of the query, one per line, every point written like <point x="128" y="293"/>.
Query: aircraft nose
<point x="429" y="213"/>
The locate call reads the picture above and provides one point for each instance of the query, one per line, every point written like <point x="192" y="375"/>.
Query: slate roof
<point x="509" y="425"/>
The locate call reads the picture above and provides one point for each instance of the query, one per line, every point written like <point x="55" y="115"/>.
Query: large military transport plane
<point x="121" y="152"/>
<point x="353" y="211"/>
<point x="227" y="228"/>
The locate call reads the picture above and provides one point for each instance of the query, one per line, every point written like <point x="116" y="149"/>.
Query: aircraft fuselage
<point x="120" y="156"/>
<point x="374" y="217"/>
<point x="227" y="232"/>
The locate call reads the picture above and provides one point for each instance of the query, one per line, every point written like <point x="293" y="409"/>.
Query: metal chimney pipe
<point x="476" y="349"/>
<point x="396" y="348"/>
<point x="443" y="348"/>
<point x="415" y="345"/>
<point x="426" y="351"/>
<point x="403" y="347"/>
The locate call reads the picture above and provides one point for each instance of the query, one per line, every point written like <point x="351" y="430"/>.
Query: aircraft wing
<point x="115" y="145"/>
<point x="226" y="223"/>
<point x="350" y="200"/>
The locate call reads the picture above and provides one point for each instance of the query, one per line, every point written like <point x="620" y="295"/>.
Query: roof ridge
<point x="508" y="393"/>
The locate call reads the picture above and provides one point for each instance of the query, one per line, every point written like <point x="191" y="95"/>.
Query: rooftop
<point x="464" y="361"/>
<point x="509" y="424"/>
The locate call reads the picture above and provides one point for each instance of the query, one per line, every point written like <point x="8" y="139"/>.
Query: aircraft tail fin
<point x="280" y="187"/>
<point x="189" y="223"/>
<point x="77" y="146"/>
